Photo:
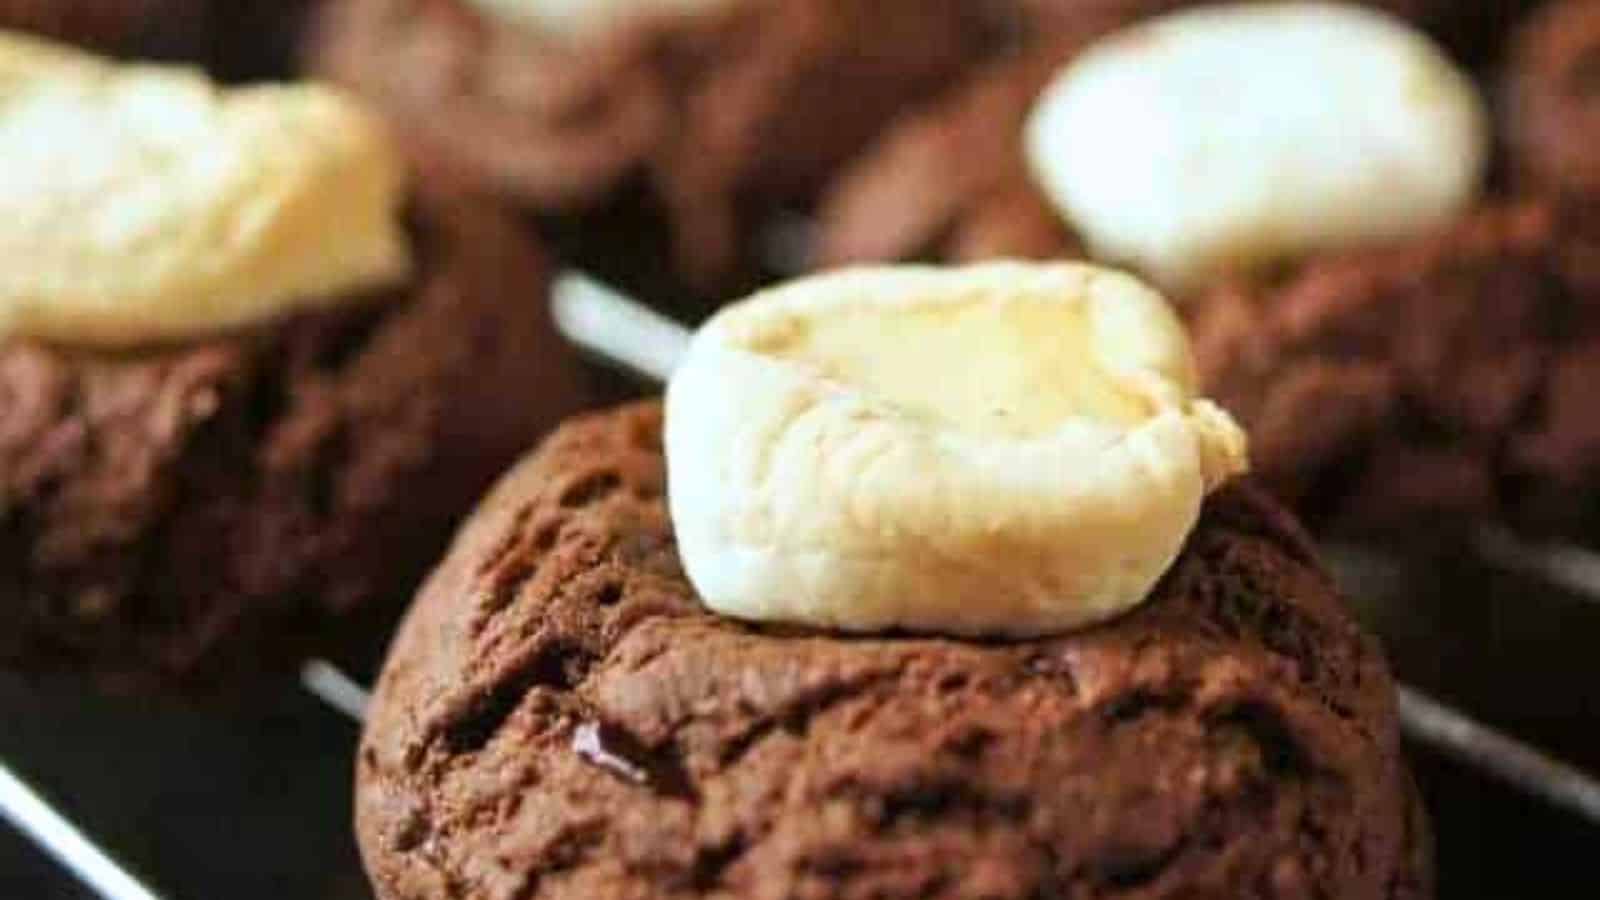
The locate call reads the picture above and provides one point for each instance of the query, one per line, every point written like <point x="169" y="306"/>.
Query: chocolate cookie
<point x="1554" y="117"/>
<point x="561" y="718"/>
<point x="949" y="181"/>
<point x="700" y="123"/>
<point x="233" y="38"/>
<point x="1434" y="381"/>
<point x="183" y="516"/>
<point x="112" y="26"/>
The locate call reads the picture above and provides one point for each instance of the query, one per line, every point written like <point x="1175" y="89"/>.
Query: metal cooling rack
<point x="624" y="333"/>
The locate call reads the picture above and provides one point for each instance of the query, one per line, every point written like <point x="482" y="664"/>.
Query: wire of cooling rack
<point x="1577" y="569"/>
<point x="328" y="683"/>
<point x="47" y="827"/>
<point x="614" y="327"/>
<point x="1427" y="721"/>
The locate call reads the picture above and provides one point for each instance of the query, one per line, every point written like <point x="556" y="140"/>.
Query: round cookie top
<point x="143" y="204"/>
<point x="561" y="717"/>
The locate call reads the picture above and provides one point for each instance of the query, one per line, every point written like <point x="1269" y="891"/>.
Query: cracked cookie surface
<point x="561" y="718"/>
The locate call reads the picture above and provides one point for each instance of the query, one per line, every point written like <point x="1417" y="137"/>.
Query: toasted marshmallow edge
<point x="143" y="204"/>
<point x="570" y="20"/>
<point x="1230" y="137"/>
<point x="1005" y="449"/>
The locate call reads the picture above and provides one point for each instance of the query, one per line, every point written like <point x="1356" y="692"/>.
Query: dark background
<point x="200" y="804"/>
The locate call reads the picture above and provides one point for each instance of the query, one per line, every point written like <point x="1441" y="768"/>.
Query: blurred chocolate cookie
<point x="133" y="27"/>
<point x="1553" y="98"/>
<point x="1436" y="381"/>
<point x="235" y="39"/>
<point x="194" y="515"/>
<point x="1113" y="135"/>
<point x="693" y="122"/>
<point x="249" y="377"/>
<point x="949" y="182"/>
